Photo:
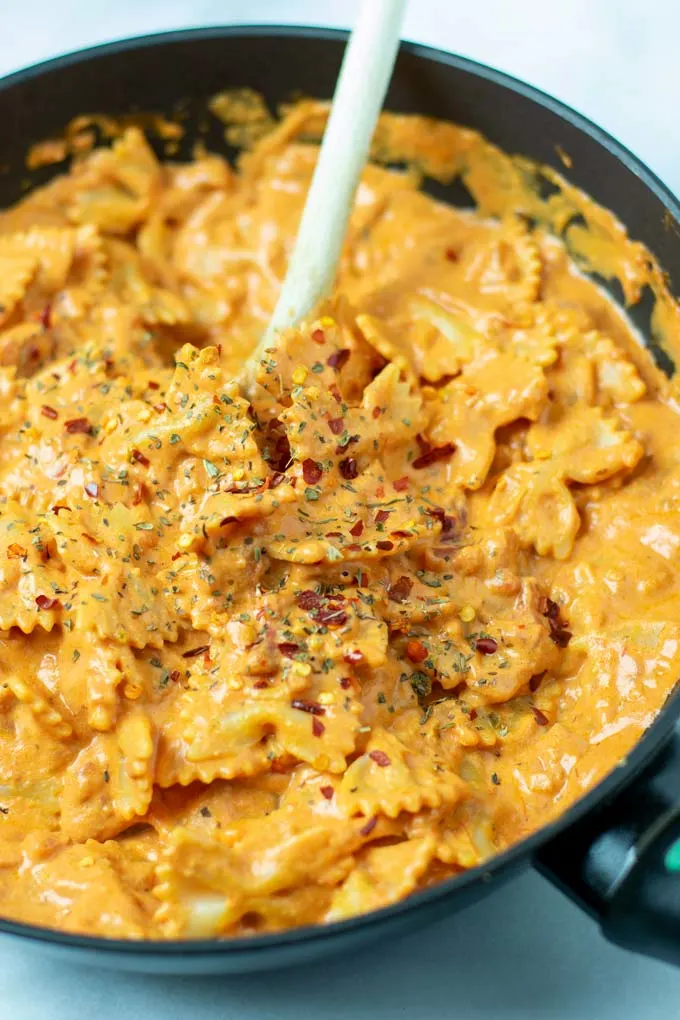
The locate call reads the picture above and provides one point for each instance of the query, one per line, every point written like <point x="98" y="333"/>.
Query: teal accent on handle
<point x="672" y="858"/>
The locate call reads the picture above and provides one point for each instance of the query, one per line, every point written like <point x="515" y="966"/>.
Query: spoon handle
<point x="364" y="76"/>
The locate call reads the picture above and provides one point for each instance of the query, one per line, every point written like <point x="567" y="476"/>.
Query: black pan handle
<point x="622" y="863"/>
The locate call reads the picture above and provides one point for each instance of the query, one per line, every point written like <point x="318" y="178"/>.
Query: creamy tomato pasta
<point x="281" y="660"/>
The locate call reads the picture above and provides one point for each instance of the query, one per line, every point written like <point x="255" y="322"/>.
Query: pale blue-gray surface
<point x="525" y="952"/>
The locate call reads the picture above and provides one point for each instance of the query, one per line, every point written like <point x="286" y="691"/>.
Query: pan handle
<point x="622" y="864"/>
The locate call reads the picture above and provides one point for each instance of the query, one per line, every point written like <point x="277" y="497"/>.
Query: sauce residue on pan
<point x="280" y="661"/>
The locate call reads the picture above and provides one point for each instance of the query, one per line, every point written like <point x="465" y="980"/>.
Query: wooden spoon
<point x="359" y="93"/>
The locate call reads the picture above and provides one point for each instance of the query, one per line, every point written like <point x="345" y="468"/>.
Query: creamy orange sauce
<point x="279" y="661"/>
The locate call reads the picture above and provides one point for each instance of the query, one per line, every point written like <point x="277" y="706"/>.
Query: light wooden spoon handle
<point x="364" y="76"/>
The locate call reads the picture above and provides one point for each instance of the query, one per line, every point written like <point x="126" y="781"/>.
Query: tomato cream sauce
<point x="281" y="659"/>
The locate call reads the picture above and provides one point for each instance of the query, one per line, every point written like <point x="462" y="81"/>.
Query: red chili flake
<point x="331" y="616"/>
<point x="288" y="648"/>
<point x="380" y="758"/>
<point x="416" y="651"/>
<point x="74" y="425"/>
<point x="400" y="534"/>
<point x="382" y="516"/>
<point x="336" y="425"/>
<point x="338" y="359"/>
<point x="175" y="675"/>
<point x="376" y="412"/>
<point x="540" y="717"/>
<point x="434" y="455"/>
<point x="348" y="468"/>
<point x="45" y="602"/>
<point x="345" y="682"/>
<point x="92" y="489"/>
<point x="59" y="506"/>
<point x="139" y="493"/>
<point x="193" y="652"/>
<point x="447" y="522"/>
<point x="370" y="825"/>
<point x="401" y="484"/>
<point x="380" y="492"/>
<point x="46" y="316"/>
<point x="49" y="412"/>
<point x="486" y="646"/>
<point x="559" y="632"/>
<point x="261" y="684"/>
<point x="309" y="599"/>
<point x="357" y="529"/>
<point x="384" y="546"/>
<point x="318" y="336"/>
<point x="335" y="393"/>
<point x="327" y="792"/>
<point x="153" y="385"/>
<point x="536" y="681"/>
<point x="311" y="471"/>
<point x="276" y="479"/>
<point x="140" y="458"/>
<point x="400" y="590"/>
<point x="472" y="714"/>
<point x="318" y="728"/>
<point x="313" y="707"/>
<point x="353" y="657"/>
<point x="333" y="534"/>
<point x="16" y="552"/>
<point x="451" y="255"/>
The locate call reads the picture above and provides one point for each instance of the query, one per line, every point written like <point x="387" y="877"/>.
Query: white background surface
<point x="525" y="952"/>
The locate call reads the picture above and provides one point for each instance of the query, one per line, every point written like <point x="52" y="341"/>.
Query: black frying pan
<point x="613" y="851"/>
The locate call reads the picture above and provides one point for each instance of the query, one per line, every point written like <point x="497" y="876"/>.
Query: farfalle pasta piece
<point x="349" y="518"/>
<point x="134" y="285"/>
<point x="67" y="886"/>
<point x="465" y="837"/>
<point x="390" y="413"/>
<point x="433" y="341"/>
<point x="509" y="266"/>
<point x="585" y="447"/>
<point x="219" y="510"/>
<point x="388" y="778"/>
<point x="58" y="268"/>
<point x="382" y="875"/>
<point x="205" y="885"/>
<point x="117" y="594"/>
<point x="329" y="353"/>
<point x="116" y="185"/>
<point x="497" y="389"/>
<point x="221" y="727"/>
<point x="526" y="645"/>
<point x="17" y="268"/>
<point x="33" y="583"/>
<point x="110" y="782"/>
<point x="207" y="419"/>
<point x="617" y="378"/>
<point x="48" y="713"/>
<point x="27" y="808"/>
<point x="125" y="606"/>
